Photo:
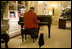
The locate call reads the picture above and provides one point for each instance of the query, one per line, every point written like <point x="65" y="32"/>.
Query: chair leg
<point x="22" y="38"/>
<point x="6" y="44"/>
<point x="22" y="35"/>
<point x="33" y="40"/>
<point x="25" y="36"/>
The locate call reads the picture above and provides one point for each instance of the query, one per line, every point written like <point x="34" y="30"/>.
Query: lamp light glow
<point x="40" y="1"/>
<point x="50" y="12"/>
<point x="53" y="5"/>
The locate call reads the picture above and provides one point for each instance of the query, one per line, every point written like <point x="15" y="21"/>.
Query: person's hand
<point x="38" y="21"/>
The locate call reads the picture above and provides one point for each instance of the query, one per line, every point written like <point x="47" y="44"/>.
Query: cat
<point x="41" y="40"/>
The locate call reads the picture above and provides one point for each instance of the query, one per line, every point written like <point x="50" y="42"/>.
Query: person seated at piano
<point x="30" y="19"/>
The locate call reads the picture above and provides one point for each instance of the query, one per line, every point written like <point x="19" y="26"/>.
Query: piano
<point x="44" y="20"/>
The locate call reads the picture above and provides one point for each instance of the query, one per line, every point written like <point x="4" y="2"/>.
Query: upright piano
<point x="44" y="20"/>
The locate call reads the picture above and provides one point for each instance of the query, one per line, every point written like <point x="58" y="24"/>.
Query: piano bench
<point x="32" y="32"/>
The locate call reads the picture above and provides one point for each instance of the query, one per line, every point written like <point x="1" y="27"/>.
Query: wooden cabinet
<point x="62" y="23"/>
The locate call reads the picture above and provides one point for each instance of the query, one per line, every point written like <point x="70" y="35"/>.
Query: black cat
<point x="41" y="40"/>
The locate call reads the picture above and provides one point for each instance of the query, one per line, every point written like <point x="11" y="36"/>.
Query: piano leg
<point x="49" y="31"/>
<point x="6" y="44"/>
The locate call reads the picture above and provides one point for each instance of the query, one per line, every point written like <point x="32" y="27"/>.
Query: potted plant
<point x="66" y="13"/>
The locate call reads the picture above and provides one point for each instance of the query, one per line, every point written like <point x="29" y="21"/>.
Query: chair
<point x="4" y="36"/>
<point x="32" y="32"/>
<point x="5" y="39"/>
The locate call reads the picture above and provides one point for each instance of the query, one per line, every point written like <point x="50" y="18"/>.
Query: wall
<point x="39" y="7"/>
<point x="56" y="12"/>
<point x="66" y="4"/>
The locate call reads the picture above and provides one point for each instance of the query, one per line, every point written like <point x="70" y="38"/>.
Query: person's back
<point x="30" y="20"/>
